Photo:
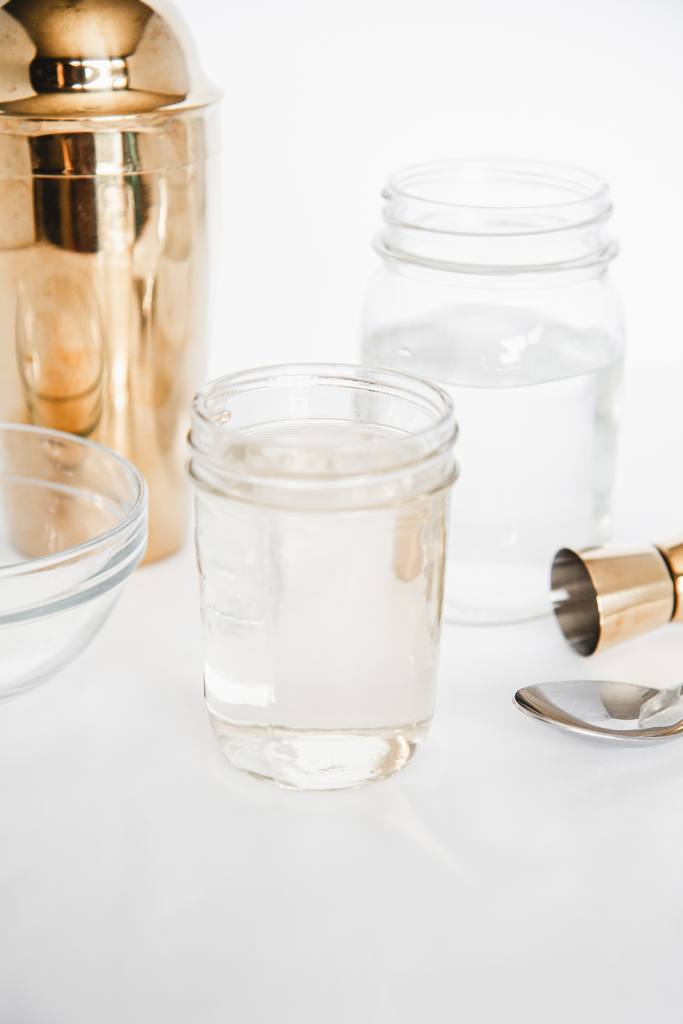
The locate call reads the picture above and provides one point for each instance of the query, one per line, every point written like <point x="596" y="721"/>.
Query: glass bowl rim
<point x="133" y="517"/>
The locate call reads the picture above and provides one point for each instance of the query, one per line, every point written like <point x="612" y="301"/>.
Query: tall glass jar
<point x="494" y="283"/>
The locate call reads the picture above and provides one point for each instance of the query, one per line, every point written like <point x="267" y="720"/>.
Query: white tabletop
<point x="512" y="873"/>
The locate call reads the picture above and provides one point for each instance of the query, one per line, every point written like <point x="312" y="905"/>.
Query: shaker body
<point x="107" y="134"/>
<point x="103" y="291"/>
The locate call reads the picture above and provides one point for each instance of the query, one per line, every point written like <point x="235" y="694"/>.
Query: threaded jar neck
<point x="496" y="217"/>
<point x="322" y="436"/>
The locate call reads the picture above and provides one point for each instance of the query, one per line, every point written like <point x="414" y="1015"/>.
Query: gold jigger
<point x="605" y="595"/>
<point x="106" y="130"/>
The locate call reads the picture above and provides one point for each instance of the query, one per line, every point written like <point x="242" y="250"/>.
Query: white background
<point x="323" y="100"/>
<point x="512" y="873"/>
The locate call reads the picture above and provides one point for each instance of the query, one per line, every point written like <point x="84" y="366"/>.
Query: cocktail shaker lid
<point x="83" y="59"/>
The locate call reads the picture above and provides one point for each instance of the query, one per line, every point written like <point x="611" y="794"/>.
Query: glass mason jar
<point x="494" y="283"/>
<point x="321" y="501"/>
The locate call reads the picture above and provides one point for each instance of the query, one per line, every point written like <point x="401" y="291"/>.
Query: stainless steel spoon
<point x="617" y="711"/>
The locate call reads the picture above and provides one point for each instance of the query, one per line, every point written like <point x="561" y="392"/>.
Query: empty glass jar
<point x="321" y="499"/>
<point x="494" y="283"/>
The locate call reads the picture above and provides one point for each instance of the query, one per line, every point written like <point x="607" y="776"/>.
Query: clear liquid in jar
<point x="321" y="627"/>
<point x="536" y="403"/>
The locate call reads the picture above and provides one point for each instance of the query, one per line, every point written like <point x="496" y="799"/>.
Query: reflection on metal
<point x="608" y="710"/>
<point x="103" y="225"/>
<point x="605" y="595"/>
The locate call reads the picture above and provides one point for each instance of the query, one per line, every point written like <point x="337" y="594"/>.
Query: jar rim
<point x="497" y="216"/>
<point x="211" y="435"/>
<point x="583" y="186"/>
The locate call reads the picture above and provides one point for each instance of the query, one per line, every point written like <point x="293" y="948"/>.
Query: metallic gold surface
<point x="606" y="595"/>
<point x="96" y="58"/>
<point x="673" y="554"/>
<point x="105" y="133"/>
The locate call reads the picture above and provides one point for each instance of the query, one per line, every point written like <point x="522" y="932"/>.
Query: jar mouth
<point x="318" y="426"/>
<point x="496" y="217"/>
<point x="495" y="197"/>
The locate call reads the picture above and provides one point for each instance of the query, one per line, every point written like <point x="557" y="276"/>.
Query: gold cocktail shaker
<point x="107" y="128"/>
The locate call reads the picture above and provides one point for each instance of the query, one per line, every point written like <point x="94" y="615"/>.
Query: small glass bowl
<point x="73" y="527"/>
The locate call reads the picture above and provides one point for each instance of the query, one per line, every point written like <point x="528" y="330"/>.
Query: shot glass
<point x="322" y="497"/>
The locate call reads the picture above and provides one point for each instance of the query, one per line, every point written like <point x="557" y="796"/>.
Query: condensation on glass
<point x="494" y="283"/>
<point x="321" y="499"/>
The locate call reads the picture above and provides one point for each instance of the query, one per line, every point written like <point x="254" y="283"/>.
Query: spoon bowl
<point x="608" y="710"/>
